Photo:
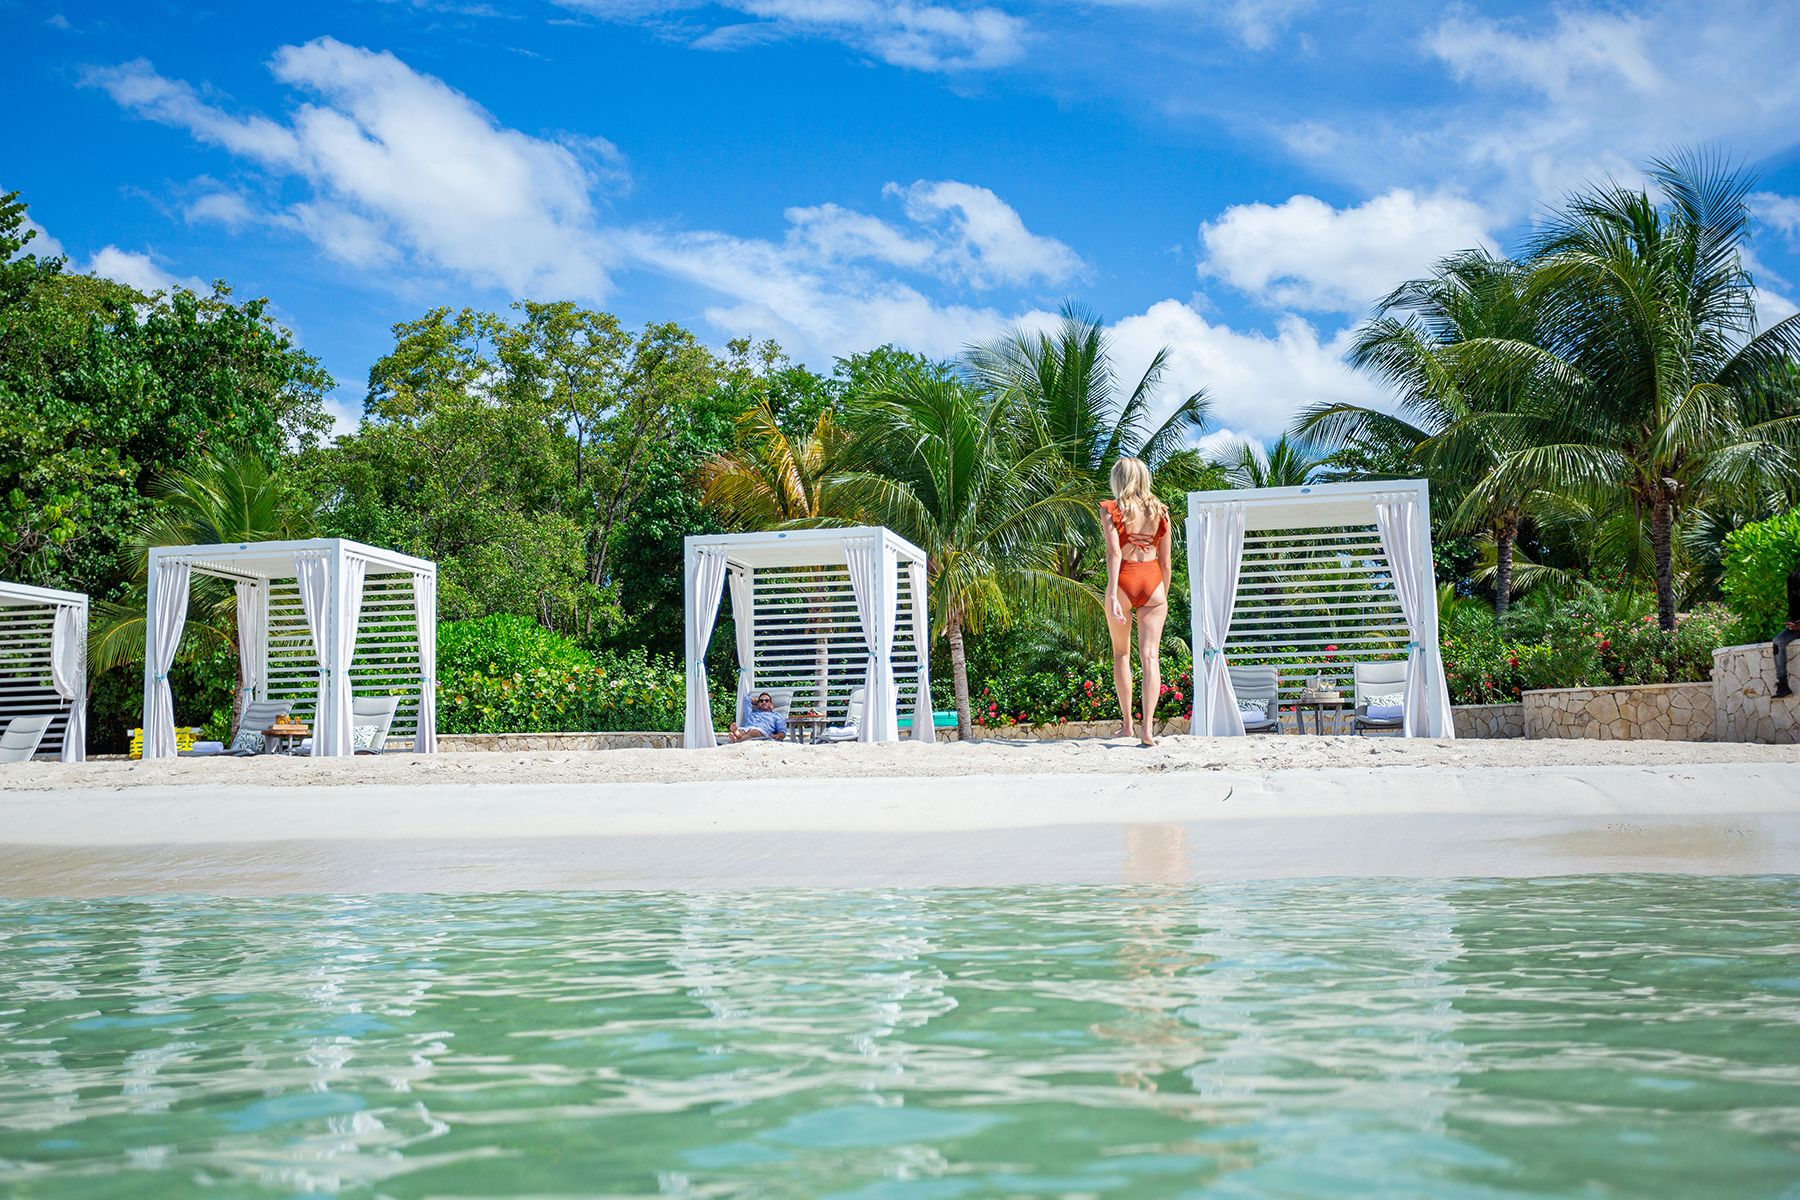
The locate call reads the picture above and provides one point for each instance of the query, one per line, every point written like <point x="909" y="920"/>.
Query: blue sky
<point x="1238" y="180"/>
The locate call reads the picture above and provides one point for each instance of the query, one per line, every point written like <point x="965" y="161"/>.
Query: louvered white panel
<point x="807" y="636"/>
<point x="1302" y="590"/>
<point x="387" y="651"/>
<point x="25" y="686"/>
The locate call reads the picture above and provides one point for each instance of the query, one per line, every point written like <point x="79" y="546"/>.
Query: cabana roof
<point x="1312" y="506"/>
<point x="800" y="547"/>
<point x="23" y="594"/>
<point x="275" y="560"/>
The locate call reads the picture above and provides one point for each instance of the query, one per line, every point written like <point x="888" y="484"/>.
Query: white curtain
<point x="1408" y="548"/>
<point x="252" y="638"/>
<point x="705" y="585"/>
<point x="312" y="575"/>
<point x="164" y="635"/>
<point x="924" y="729"/>
<point x="337" y="739"/>
<point x="425" y="620"/>
<point x="873" y="567"/>
<point x="68" y="674"/>
<point x="1215" y="551"/>
<point x="742" y="621"/>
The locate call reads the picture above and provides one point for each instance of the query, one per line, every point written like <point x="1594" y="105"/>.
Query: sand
<point x="764" y="760"/>
<point x="898" y="816"/>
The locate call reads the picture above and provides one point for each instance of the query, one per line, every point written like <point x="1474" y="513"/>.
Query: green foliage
<point x="1758" y="560"/>
<point x="506" y="674"/>
<point x="103" y="392"/>
<point x="504" y="644"/>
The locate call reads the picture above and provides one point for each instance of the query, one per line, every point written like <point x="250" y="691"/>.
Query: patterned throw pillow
<point x="362" y="737"/>
<point x="249" y="741"/>
<point x="1388" y="700"/>
<point x="1252" y="708"/>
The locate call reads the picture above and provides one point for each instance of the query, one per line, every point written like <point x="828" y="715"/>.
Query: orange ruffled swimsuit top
<point x="1138" y="577"/>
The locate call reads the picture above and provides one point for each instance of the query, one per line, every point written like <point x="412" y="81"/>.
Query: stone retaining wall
<point x="1677" y="712"/>
<point x="1745" y="707"/>
<point x="1489" y="720"/>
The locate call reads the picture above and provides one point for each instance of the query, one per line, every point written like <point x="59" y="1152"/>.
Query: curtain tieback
<point x="161" y="677"/>
<point x="1412" y="647"/>
<point x="1210" y="653"/>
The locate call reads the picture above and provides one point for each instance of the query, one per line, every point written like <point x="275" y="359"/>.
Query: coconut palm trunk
<point x="959" y="673"/>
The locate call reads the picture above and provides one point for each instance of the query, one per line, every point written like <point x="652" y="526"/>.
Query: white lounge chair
<point x="1378" y="679"/>
<point x="377" y="711"/>
<point x="1263" y="685"/>
<point x="21" y="738"/>
<point x="257" y="716"/>
<point x="851" y="729"/>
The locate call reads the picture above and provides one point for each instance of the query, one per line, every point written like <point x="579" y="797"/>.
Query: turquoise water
<point x="1613" y="1036"/>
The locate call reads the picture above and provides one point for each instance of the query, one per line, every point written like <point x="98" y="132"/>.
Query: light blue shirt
<point x="767" y="720"/>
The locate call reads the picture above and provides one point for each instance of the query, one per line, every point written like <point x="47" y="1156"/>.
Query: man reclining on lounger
<point x="763" y="721"/>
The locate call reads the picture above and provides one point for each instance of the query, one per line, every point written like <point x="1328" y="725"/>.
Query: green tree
<point x="946" y="467"/>
<point x="104" y="390"/>
<point x="1443" y="425"/>
<point x="1286" y="463"/>
<point x="1063" y="387"/>
<point x="1653" y="392"/>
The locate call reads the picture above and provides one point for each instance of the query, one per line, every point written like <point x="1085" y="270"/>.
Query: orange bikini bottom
<point x="1138" y="581"/>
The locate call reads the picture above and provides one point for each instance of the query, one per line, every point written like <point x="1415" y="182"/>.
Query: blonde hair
<point x="1131" y="488"/>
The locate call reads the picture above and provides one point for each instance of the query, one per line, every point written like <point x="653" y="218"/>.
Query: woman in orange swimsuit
<point x="1136" y="524"/>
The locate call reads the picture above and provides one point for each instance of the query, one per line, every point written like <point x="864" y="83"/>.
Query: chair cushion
<point x="249" y="741"/>
<point x="1258" y="720"/>
<point x="1384" y="712"/>
<point x="362" y="737"/>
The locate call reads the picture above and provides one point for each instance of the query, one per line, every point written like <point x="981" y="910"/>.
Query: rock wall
<point x="1489" y="720"/>
<point x="1745" y="707"/>
<point x="1677" y="712"/>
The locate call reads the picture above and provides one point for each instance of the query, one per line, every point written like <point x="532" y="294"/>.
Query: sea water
<point x="1608" y="1036"/>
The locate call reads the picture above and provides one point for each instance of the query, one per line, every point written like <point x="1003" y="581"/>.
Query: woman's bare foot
<point x="1126" y="731"/>
<point x="1147" y="741"/>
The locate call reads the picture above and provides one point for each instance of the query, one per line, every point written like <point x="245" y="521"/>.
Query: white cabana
<point x="43" y="664"/>
<point x="819" y="612"/>
<point x="1314" y="579"/>
<point x="319" y="621"/>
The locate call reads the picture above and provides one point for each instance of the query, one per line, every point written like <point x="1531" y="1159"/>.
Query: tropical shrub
<point x="615" y="692"/>
<point x="505" y="644"/>
<point x="1758" y="559"/>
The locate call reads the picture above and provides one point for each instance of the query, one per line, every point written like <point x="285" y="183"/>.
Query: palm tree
<point x="946" y="466"/>
<point x="1286" y="463"/>
<point x="1652" y="390"/>
<point x="1063" y="388"/>
<point x="771" y="479"/>
<point x="231" y="499"/>
<point x="1414" y="343"/>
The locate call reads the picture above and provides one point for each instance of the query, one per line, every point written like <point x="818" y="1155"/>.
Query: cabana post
<point x="43" y="664"/>
<point x="318" y="619"/>
<point x="818" y="612"/>
<point x="1310" y="578"/>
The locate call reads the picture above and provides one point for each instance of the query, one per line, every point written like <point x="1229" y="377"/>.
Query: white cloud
<point x="989" y="244"/>
<point x="399" y="160"/>
<point x="817" y="309"/>
<point x="138" y="270"/>
<point x="42" y="245"/>
<point x="1257" y="381"/>
<point x="903" y="33"/>
<point x="1551" y="101"/>
<point x="1778" y="212"/>
<point x="1306" y="254"/>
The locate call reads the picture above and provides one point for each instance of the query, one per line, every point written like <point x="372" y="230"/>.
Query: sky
<point x="1237" y="181"/>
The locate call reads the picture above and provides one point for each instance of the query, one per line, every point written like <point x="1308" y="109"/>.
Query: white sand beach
<point x="905" y="815"/>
